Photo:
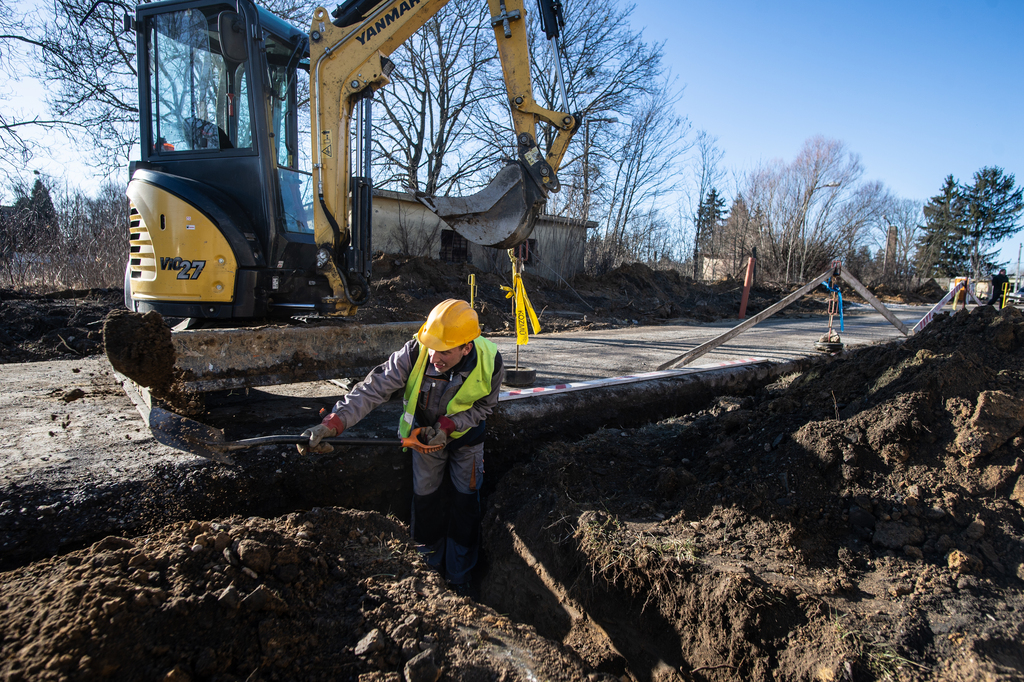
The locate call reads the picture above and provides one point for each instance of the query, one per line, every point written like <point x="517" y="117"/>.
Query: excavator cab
<point x="221" y="200"/>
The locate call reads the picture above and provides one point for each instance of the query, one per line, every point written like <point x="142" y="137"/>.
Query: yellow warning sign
<point x="523" y="308"/>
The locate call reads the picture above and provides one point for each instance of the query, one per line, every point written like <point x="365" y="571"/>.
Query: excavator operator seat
<point x="200" y="134"/>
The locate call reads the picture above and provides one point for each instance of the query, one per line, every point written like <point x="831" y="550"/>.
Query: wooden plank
<point x="707" y="346"/>
<point x="875" y="303"/>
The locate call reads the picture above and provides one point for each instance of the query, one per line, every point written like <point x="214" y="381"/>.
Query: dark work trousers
<point x="446" y="520"/>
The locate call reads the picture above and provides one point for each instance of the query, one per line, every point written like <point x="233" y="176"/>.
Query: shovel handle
<point x="232" y="445"/>
<point x="411" y="441"/>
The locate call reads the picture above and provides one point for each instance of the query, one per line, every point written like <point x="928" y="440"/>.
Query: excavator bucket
<point x="501" y="215"/>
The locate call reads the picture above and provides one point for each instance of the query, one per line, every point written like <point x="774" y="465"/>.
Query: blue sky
<point x="918" y="89"/>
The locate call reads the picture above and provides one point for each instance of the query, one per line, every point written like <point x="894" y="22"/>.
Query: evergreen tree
<point x="44" y="215"/>
<point x="709" y="215"/>
<point x="991" y="210"/>
<point x="34" y="217"/>
<point x="941" y="252"/>
<point x="964" y="223"/>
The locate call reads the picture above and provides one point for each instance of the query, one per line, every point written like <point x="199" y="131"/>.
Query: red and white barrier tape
<point x="515" y="394"/>
<point x="937" y="308"/>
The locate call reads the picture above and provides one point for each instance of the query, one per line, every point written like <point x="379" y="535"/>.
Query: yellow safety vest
<point x="476" y="386"/>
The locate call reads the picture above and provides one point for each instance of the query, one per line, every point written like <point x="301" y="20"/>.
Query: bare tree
<point x="89" y="62"/>
<point x="811" y="210"/>
<point x="732" y="241"/>
<point x="644" y="169"/>
<point x="900" y="231"/>
<point x="707" y="173"/>
<point x="73" y="241"/>
<point x="607" y="67"/>
<point x="96" y="233"/>
<point x="425" y="136"/>
<point x="16" y="48"/>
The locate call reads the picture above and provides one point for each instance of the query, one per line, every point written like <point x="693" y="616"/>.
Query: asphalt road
<point x="576" y="356"/>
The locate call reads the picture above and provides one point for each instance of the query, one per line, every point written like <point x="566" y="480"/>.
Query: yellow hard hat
<point x="451" y="323"/>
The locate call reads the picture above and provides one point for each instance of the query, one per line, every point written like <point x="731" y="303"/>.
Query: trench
<point x="523" y="573"/>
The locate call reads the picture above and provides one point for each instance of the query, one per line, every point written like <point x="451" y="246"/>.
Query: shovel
<point x="199" y="439"/>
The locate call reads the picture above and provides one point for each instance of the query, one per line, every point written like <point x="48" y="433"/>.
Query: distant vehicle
<point x="1015" y="297"/>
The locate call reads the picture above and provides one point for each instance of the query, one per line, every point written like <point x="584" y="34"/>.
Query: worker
<point x="451" y="376"/>
<point x="999" y="282"/>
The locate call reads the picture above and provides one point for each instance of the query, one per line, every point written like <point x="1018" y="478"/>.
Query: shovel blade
<point x="187" y="434"/>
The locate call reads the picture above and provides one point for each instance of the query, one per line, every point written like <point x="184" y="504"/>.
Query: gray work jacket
<point x="436" y="390"/>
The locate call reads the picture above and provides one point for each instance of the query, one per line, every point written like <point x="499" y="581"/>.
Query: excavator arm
<point x="348" y="62"/>
<point x="510" y="34"/>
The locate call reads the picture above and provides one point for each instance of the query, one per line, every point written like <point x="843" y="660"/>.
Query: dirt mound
<point x="64" y="324"/>
<point x="929" y="292"/>
<point x="67" y="324"/>
<point x="637" y="290"/>
<point x="631" y="294"/>
<point x="322" y="595"/>
<point x="860" y="521"/>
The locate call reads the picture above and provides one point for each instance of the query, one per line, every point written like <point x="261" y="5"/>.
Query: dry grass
<point x="86" y="248"/>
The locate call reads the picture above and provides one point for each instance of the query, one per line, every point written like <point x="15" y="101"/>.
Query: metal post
<point x="747" y="282"/>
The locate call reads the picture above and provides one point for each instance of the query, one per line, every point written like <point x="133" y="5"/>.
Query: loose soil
<point x="326" y="594"/>
<point x="65" y="324"/>
<point x="860" y="521"/>
<point x="69" y="324"/>
<point x="139" y="346"/>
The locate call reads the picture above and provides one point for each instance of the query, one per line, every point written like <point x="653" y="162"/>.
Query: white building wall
<point x="403" y="225"/>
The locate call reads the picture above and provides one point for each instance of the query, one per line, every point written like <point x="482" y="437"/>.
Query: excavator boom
<point x="349" y="56"/>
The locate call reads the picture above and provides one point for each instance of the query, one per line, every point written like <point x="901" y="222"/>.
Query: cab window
<point x="199" y="99"/>
<point x="287" y="64"/>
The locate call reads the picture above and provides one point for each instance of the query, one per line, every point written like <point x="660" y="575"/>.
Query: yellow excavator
<point x="226" y="223"/>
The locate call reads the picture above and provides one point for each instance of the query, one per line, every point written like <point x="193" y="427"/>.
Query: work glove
<point x="440" y="431"/>
<point x="331" y="426"/>
<point x="439" y="437"/>
<point x="425" y="436"/>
